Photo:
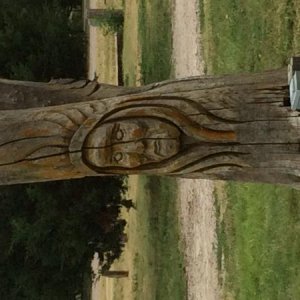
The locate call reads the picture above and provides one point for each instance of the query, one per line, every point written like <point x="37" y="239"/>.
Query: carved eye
<point x="118" y="157"/>
<point x="119" y="135"/>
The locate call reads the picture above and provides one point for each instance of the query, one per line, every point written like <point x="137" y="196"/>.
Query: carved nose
<point x="132" y="147"/>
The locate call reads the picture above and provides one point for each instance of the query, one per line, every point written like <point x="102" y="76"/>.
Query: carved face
<point x="131" y="143"/>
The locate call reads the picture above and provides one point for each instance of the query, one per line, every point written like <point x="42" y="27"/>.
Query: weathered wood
<point x="231" y="127"/>
<point x="22" y="94"/>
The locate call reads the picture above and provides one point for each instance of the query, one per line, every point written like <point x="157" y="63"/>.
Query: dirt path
<point x="196" y="199"/>
<point x="187" y="56"/>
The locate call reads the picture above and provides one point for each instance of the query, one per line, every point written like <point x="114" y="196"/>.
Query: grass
<point x="258" y="226"/>
<point x="155" y="36"/>
<point x="147" y="46"/>
<point x="110" y="22"/>
<point x="159" y="261"/>
<point x="260" y="241"/>
<point x="249" y="35"/>
<point x="131" y="46"/>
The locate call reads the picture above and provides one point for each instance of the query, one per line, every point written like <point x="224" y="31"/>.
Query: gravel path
<point x="187" y="56"/>
<point x="196" y="199"/>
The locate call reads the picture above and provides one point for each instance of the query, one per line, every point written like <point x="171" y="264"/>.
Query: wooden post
<point x="232" y="127"/>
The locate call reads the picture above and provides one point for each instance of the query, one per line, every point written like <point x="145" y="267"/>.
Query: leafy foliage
<point x="38" y="41"/>
<point x="111" y="21"/>
<point x="49" y="233"/>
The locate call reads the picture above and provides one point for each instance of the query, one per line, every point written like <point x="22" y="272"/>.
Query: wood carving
<point x="231" y="127"/>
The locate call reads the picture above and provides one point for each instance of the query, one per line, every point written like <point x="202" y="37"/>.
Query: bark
<point x="233" y="127"/>
<point x="115" y="274"/>
<point x="24" y="94"/>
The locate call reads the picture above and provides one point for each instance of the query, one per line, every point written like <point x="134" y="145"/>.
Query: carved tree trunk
<point x="234" y="127"/>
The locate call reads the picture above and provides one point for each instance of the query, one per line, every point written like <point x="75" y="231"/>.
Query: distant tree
<point x="38" y="41"/>
<point x="46" y="232"/>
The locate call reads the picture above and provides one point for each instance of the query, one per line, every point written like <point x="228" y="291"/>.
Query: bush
<point x="111" y="21"/>
<point x="49" y="233"/>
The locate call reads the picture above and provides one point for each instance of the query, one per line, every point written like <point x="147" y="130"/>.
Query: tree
<point x="38" y="41"/>
<point x="233" y="127"/>
<point x="49" y="233"/>
<point x="106" y="14"/>
<point x="109" y="19"/>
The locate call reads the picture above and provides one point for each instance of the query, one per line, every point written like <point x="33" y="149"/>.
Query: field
<point x="259" y="236"/>
<point x="258" y="225"/>
<point x="249" y="35"/>
<point x="158" y="263"/>
<point x="147" y="46"/>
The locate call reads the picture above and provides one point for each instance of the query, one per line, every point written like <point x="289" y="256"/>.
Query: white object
<point x="295" y="90"/>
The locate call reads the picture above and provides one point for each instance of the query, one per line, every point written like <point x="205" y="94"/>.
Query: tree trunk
<point x="24" y="94"/>
<point x="115" y="274"/>
<point x="233" y="127"/>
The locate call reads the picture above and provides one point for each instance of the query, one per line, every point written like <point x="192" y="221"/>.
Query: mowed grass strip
<point x="159" y="262"/>
<point x="155" y="36"/>
<point x="258" y="226"/>
<point x="249" y="35"/>
<point x="260" y="240"/>
<point x="162" y="257"/>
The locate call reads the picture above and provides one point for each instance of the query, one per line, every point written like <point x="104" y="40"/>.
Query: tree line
<point x="50" y="232"/>
<point x="38" y="40"/>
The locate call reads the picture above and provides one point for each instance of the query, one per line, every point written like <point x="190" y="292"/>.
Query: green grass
<point x="155" y="36"/>
<point x="260" y="239"/>
<point x="249" y="35"/>
<point x="159" y="262"/>
<point x="258" y="230"/>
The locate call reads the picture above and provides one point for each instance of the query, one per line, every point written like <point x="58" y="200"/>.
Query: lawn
<point x="258" y="225"/>
<point x="158" y="260"/>
<point x="259" y="237"/>
<point x="147" y="46"/>
<point x="249" y="35"/>
<point x="155" y="36"/>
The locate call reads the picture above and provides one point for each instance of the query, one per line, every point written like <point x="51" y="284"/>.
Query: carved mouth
<point x="166" y="147"/>
<point x="157" y="147"/>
